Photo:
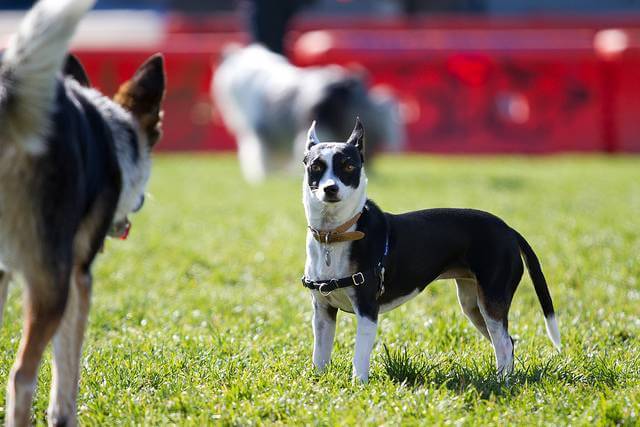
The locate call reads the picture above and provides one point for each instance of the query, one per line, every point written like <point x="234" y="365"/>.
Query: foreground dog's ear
<point x="357" y="136"/>
<point x="74" y="69"/>
<point x="143" y="95"/>
<point x="312" y="138"/>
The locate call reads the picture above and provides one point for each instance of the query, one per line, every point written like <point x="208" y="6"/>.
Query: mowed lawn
<point x="199" y="317"/>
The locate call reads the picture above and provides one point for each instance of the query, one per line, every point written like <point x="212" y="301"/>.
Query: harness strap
<point x="326" y="287"/>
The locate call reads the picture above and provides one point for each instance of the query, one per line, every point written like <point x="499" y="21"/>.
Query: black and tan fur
<point x="73" y="166"/>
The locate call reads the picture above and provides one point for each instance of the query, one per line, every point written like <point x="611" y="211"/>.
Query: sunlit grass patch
<point x="199" y="317"/>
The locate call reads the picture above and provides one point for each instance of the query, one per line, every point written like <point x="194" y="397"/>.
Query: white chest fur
<point x="316" y="269"/>
<point x="329" y="216"/>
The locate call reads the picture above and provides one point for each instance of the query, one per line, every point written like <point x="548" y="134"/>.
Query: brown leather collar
<point x="340" y="233"/>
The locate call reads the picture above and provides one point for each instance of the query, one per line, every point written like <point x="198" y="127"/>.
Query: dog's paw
<point x="59" y="420"/>
<point x="321" y="366"/>
<point x="61" y="412"/>
<point x="359" y="379"/>
<point x="504" y="375"/>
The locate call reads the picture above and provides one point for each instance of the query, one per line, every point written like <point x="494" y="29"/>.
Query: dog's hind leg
<point x="495" y="292"/>
<point x="5" y="279"/>
<point x="67" y="351"/>
<point x="468" y="299"/>
<point x="494" y="307"/>
<point x="45" y="300"/>
<point x="497" y="325"/>
<point x="324" y="330"/>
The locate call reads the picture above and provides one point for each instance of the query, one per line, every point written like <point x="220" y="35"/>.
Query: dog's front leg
<point x="365" y="338"/>
<point x="5" y="278"/>
<point x="324" y="330"/>
<point x="45" y="300"/>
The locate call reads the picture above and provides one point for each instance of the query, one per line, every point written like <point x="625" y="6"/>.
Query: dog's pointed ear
<point x="312" y="137"/>
<point x="143" y="95"/>
<point x="357" y="136"/>
<point x="74" y="69"/>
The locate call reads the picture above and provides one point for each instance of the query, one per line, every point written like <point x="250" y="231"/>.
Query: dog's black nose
<point x="331" y="190"/>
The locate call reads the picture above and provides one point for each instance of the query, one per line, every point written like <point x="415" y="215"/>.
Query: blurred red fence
<point x="465" y="85"/>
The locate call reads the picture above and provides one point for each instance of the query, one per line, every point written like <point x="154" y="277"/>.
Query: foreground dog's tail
<point x="542" y="290"/>
<point x="29" y="66"/>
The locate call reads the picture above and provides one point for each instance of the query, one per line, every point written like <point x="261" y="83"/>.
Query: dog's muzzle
<point x="120" y="230"/>
<point x="331" y="199"/>
<point x="331" y="194"/>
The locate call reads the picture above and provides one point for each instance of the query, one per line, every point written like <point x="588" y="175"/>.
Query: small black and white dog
<point x="73" y="165"/>
<point x="268" y="104"/>
<point x="366" y="261"/>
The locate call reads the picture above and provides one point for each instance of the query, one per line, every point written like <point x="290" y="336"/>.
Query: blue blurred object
<point x="102" y="4"/>
<point x="132" y="4"/>
<point x="16" y="4"/>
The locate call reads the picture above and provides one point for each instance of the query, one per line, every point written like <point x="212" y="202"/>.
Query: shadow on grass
<point x="480" y="375"/>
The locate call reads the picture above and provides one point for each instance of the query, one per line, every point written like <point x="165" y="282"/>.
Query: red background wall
<point x="466" y="85"/>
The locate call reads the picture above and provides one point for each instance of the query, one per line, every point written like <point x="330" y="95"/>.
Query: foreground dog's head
<point x="136" y="127"/>
<point x="334" y="171"/>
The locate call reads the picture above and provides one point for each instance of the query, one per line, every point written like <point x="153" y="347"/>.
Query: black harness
<point x="372" y="275"/>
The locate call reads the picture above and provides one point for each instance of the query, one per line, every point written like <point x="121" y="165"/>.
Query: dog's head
<point x="135" y="134"/>
<point x="334" y="171"/>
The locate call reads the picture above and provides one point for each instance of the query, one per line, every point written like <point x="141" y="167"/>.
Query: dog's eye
<point x="349" y="168"/>
<point x="315" y="167"/>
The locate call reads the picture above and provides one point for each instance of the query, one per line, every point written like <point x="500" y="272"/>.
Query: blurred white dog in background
<point x="268" y="105"/>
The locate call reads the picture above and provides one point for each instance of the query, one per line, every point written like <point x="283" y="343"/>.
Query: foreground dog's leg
<point x="324" y="329"/>
<point x="45" y="300"/>
<point x="468" y="299"/>
<point x="365" y="338"/>
<point x="495" y="316"/>
<point x="67" y="352"/>
<point x="5" y="278"/>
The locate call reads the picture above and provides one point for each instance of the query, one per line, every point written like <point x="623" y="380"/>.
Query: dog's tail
<point x="29" y="66"/>
<point x="542" y="290"/>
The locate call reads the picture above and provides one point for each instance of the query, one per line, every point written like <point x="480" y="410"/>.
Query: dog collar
<point x="338" y="234"/>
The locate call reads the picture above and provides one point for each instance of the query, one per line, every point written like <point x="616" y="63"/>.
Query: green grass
<point x="200" y="318"/>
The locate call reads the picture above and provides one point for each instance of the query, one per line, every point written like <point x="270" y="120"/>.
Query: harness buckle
<point x="323" y="293"/>
<point x="333" y="282"/>
<point x="357" y="278"/>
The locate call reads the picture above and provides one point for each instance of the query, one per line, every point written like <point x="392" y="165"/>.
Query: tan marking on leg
<point x="468" y="299"/>
<point x="41" y="319"/>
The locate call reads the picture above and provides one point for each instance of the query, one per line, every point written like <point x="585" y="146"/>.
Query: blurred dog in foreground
<point x="268" y="104"/>
<point x="366" y="261"/>
<point x="73" y="165"/>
